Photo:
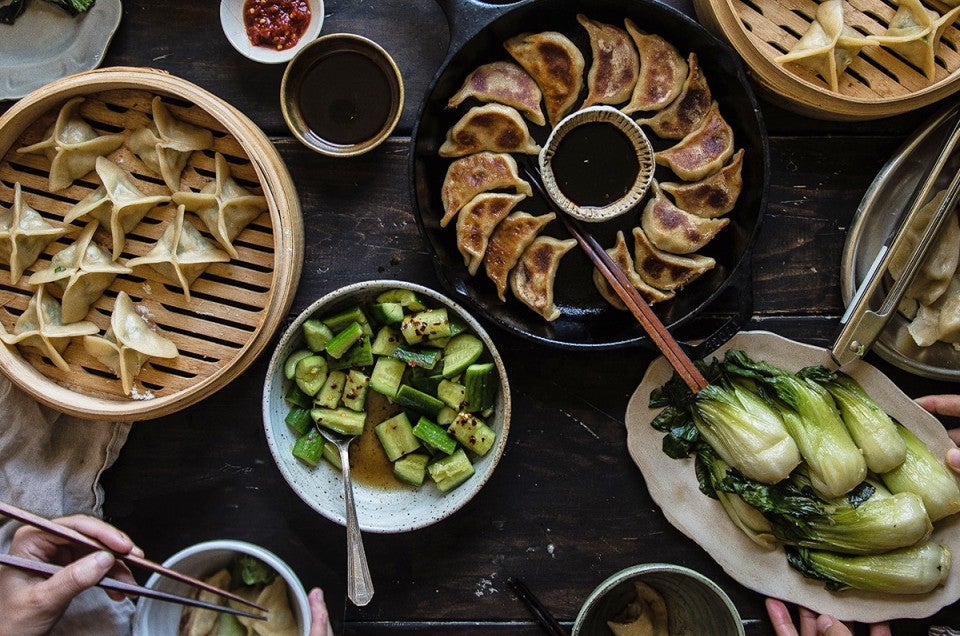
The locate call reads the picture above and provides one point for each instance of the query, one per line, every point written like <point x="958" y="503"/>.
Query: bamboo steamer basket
<point x="235" y="307"/>
<point x="878" y="84"/>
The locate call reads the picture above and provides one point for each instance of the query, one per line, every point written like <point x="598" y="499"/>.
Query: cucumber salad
<point x="439" y="377"/>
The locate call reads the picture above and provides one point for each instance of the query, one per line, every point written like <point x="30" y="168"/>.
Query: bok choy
<point x="925" y="475"/>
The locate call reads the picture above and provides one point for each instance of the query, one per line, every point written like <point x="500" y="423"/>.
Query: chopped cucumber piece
<point x="316" y="334"/>
<point x="451" y="393"/>
<point x="387" y="313"/>
<point x="463" y="350"/>
<point x="290" y="364"/>
<point x="340" y="321"/>
<point x="423" y="325"/>
<point x="387" y="339"/>
<point x="299" y="420"/>
<point x="309" y="446"/>
<point x="310" y="374"/>
<point x="480" y="381"/>
<point x="332" y="454"/>
<point x="446" y="416"/>
<point x="426" y="383"/>
<point x="387" y="376"/>
<point x="340" y="420"/>
<point x="405" y="297"/>
<point x="418" y="400"/>
<point x="355" y="390"/>
<point x="434" y="437"/>
<point x="297" y="397"/>
<point x="472" y="432"/>
<point x="426" y="358"/>
<point x="451" y="471"/>
<point x="411" y="468"/>
<point x="344" y="340"/>
<point x="396" y="436"/>
<point x="359" y="355"/>
<point x="329" y="395"/>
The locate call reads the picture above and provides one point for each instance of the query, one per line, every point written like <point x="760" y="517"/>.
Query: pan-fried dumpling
<point x="555" y="63"/>
<point x="128" y="343"/>
<point x="181" y="253"/>
<point x="282" y="621"/>
<point x="23" y="235"/>
<point x="673" y="230"/>
<point x="41" y="327"/>
<point x="477" y="221"/>
<point x="829" y="46"/>
<point x="117" y="204"/>
<point x="940" y="264"/>
<point x="621" y="256"/>
<point x="507" y="243"/>
<point x="711" y="197"/>
<point x="702" y="152"/>
<point x="662" y="72"/>
<point x="504" y="83"/>
<point x="166" y="146"/>
<point x="469" y="176"/>
<point x="73" y="146"/>
<point x="223" y="205"/>
<point x="493" y="127"/>
<point x="914" y="32"/>
<point x="664" y="270"/>
<point x="687" y="112"/>
<point x="532" y="279"/>
<point x="615" y="67"/>
<point x="83" y="270"/>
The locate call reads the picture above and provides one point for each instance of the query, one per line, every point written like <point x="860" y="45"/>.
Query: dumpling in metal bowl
<point x="532" y="279"/>
<point x="477" y="221"/>
<point x="673" y="230"/>
<point x="940" y="264"/>
<point x="663" y="72"/>
<point x="711" y="197"/>
<point x="615" y="67"/>
<point x="492" y="127"/>
<point x="702" y="152"/>
<point x="510" y="238"/>
<point x="687" y="112"/>
<point x="504" y="83"/>
<point x="555" y="63"/>
<point x="469" y="176"/>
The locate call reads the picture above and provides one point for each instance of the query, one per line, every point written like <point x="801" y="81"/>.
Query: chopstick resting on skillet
<point x="78" y="538"/>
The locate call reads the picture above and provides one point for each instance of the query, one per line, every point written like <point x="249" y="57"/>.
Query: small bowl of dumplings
<point x="245" y="569"/>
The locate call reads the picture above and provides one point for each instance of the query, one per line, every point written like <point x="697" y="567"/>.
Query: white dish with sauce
<point x="384" y="504"/>
<point x="231" y="19"/>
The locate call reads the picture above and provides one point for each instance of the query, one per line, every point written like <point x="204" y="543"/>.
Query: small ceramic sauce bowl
<point x="231" y="19"/>
<point x="342" y="95"/>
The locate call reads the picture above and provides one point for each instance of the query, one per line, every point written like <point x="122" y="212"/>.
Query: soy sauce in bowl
<point x="595" y="164"/>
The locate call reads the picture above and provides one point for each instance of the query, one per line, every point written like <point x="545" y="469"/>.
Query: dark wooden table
<point x="566" y="506"/>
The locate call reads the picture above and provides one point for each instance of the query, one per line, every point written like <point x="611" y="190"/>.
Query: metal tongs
<point x="860" y="325"/>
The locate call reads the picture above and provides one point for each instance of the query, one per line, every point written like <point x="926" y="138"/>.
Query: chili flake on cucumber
<point x="437" y="373"/>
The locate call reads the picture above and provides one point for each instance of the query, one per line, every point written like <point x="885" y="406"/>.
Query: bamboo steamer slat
<point x="878" y="84"/>
<point x="235" y="307"/>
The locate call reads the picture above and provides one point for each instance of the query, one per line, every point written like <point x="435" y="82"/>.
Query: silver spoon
<point x="359" y="583"/>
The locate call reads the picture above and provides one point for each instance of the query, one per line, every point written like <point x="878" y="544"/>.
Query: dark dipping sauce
<point x="345" y="98"/>
<point x="595" y="164"/>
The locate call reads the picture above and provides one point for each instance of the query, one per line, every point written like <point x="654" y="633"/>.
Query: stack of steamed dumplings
<point x="80" y="273"/>
<point x="646" y="77"/>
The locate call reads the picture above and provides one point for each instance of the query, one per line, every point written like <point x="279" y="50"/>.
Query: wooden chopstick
<point x="48" y="569"/>
<point x="542" y="614"/>
<point x="70" y="534"/>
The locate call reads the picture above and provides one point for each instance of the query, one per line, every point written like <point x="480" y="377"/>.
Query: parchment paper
<point x="673" y="486"/>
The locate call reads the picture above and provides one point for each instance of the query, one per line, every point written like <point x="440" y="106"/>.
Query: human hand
<point x="31" y="604"/>
<point x="811" y="624"/>
<point x="319" y="617"/>
<point x="948" y="405"/>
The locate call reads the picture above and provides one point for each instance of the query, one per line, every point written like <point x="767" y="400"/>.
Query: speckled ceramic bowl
<point x="695" y="604"/>
<point x="378" y="510"/>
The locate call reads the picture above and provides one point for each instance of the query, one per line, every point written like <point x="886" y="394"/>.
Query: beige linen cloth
<point x="50" y="464"/>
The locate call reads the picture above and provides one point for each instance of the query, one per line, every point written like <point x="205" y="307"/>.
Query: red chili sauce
<point x="276" y="24"/>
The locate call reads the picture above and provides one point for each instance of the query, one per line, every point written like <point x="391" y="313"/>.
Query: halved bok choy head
<point x="925" y="475"/>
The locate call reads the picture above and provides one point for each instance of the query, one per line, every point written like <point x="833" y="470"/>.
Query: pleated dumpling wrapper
<point x="24" y="234"/>
<point x="275" y="597"/>
<point x="665" y="270"/>
<point x="533" y="277"/>
<point x="224" y="206"/>
<point x="674" y="230"/>
<point x="83" y="270"/>
<point x="481" y="172"/>
<point x="196" y="621"/>
<point x="42" y="328"/>
<point x="166" y="146"/>
<point x="829" y="46"/>
<point x="621" y="256"/>
<point x="662" y="71"/>
<point x="555" y="63"/>
<point x="914" y="32"/>
<point x="118" y="204"/>
<point x="72" y="145"/>
<point x="504" y="83"/>
<point x="510" y="238"/>
<point x="128" y="343"/>
<point x="702" y="152"/>
<point x="477" y="221"/>
<point x="685" y="114"/>
<point x="713" y="196"/>
<point x="615" y="68"/>
<point x="181" y="253"/>
<point x="492" y="127"/>
<point x="939" y="265"/>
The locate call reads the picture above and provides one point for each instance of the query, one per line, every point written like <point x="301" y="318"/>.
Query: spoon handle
<point x="359" y="583"/>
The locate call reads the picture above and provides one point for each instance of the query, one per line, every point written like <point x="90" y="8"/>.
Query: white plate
<point x="47" y="43"/>
<point x="231" y="19"/>
<point x="673" y="486"/>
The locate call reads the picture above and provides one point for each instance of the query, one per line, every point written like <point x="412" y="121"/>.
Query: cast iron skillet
<point x="478" y="31"/>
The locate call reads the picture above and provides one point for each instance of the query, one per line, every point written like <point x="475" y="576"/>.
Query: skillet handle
<point x="466" y="18"/>
<point x="743" y="287"/>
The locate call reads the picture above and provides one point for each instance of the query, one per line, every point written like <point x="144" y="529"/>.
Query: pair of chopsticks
<point x="639" y="307"/>
<point x="47" y="569"/>
<point x="542" y="614"/>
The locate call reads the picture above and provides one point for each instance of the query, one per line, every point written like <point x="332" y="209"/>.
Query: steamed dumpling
<point x="914" y="32"/>
<point x="621" y="256"/>
<point x="469" y="176"/>
<point x="533" y="277"/>
<point x="702" y="152"/>
<point x="672" y="230"/>
<point x="73" y="146"/>
<point x="165" y="147"/>
<point x="662" y="72"/>
<point x="477" y="221"/>
<point x="196" y="621"/>
<point x="510" y="238"/>
<point x="941" y="262"/>
<point x="615" y="67"/>
<point x="41" y="327"/>
<point x="129" y="343"/>
<point x="664" y="270"/>
<point x="117" y="204"/>
<point x="24" y="234"/>
<point x="282" y="621"/>
<point x="83" y="270"/>
<point x="492" y="127"/>
<point x="504" y="83"/>
<point x="711" y="197"/>
<point x="687" y="112"/>
<point x="224" y="206"/>
<point x="555" y="63"/>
